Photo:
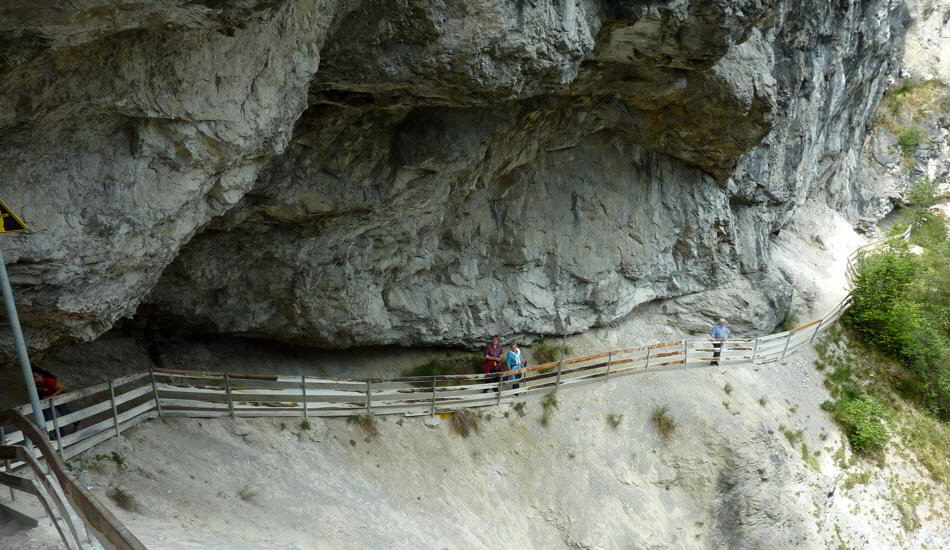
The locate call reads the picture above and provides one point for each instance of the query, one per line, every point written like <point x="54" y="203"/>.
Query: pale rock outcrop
<point x="395" y="218"/>
<point x="456" y="168"/>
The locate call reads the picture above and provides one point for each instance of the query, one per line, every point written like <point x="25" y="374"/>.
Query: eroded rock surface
<point x="453" y="169"/>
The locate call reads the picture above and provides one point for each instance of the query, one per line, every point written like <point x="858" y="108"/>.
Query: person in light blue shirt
<point x="719" y="333"/>
<point x="514" y="362"/>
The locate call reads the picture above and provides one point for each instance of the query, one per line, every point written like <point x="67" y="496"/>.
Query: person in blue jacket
<point x="514" y="362"/>
<point x="718" y="334"/>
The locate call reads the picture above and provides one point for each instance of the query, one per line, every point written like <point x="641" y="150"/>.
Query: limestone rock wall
<point x="410" y="171"/>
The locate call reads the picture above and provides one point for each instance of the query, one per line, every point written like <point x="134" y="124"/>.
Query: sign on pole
<point x="9" y="221"/>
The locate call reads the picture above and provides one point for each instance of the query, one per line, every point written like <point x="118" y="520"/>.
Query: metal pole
<point x="20" y="345"/>
<point x="303" y="389"/>
<point x="685" y="354"/>
<point x="647" y="365"/>
<point x="432" y="410"/>
<point x="607" y="374"/>
<point x="755" y="347"/>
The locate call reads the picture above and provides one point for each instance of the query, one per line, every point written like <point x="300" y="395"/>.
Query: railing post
<point x="685" y="353"/>
<point x="432" y="409"/>
<point x="158" y="402"/>
<point x="816" y="331"/>
<point x="647" y="365"/>
<point x="501" y="387"/>
<point x="607" y="374"/>
<point x="227" y="390"/>
<point x="303" y="390"/>
<point x="59" y="436"/>
<point x="787" y="341"/>
<point x="369" y="396"/>
<point x="115" y="410"/>
<point x="6" y="463"/>
<point x="557" y="382"/>
<point x="755" y="348"/>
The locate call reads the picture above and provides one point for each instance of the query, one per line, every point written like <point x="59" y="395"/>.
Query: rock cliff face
<point x="409" y="171"/>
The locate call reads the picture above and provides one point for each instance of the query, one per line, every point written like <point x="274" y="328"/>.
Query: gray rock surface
<point x="394" y="218"/>
<point x="453" y="169"/>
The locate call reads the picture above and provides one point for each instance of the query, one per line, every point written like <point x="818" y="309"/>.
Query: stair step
<point x="19" y="512"/>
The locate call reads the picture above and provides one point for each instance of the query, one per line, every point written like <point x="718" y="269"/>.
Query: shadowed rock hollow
<point x="416" y="172"/>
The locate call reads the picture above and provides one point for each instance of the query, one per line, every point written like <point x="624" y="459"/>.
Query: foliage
<point x="865" y="421"/>
<point x="545" y="352"/>
<point x="247" y="493"/>
<point x="548" y="405"/>
<point x="124" y="499"/>
<point x="727" y="388"/>
<point x="790" y="321"/>
<point x="614" y="420"/>
<point x="366" y="422"/>
<point x="855" y="479"/>
<point x="909" y="137"/>
<point x="305" y="425"/>
<point x="465" y="422"/>
<point x="664" y="423"/>
<point x="902" y="307"/>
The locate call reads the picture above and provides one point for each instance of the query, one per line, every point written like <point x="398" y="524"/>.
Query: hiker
<point x="492" y="361"/>
<point x="513" y="362"/>
<point x="47" y="385"/>
<point x="718" y="334"/>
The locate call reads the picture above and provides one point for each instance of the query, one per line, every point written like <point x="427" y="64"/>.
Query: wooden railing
<point x="107" y="409"/>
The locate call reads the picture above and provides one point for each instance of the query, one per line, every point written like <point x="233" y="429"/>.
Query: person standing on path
<point x="719" y="333"/>
<point x="514" y="362"/>
<point x="492" y="362"/>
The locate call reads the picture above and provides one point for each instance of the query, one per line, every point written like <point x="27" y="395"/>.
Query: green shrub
<point x="865" y="421"/>
<point x="909" y="137"/>
<point x="922" y="193"/>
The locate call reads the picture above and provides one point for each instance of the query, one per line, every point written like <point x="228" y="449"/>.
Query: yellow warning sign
<point x="10" y="222"/>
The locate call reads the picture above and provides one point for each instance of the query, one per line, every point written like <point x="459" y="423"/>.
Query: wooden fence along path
<point x="105" y="410"/>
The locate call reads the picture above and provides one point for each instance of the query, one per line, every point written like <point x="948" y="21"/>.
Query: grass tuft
<point x="465" y="423"/>
<point x="614" y="420"/>
<point x="124" y="499"/>
<point x="247" y="493"/>
<point x="366" y="422"/>
<point x="305" y="425"/>
<point x="548" y="405"/>
<point x="665" y="424"/>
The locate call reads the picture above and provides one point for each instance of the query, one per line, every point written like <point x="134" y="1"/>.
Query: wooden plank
<point x="113" y="533"/>
<point x="68" y="397"/>
<point x="19" y="514"/>
<point x="21" y="484"/>
<point x="86" y="444"/>
<point x="108" y="423"/>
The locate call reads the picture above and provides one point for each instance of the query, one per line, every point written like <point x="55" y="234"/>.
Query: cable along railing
<point x="107" y="409"/>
